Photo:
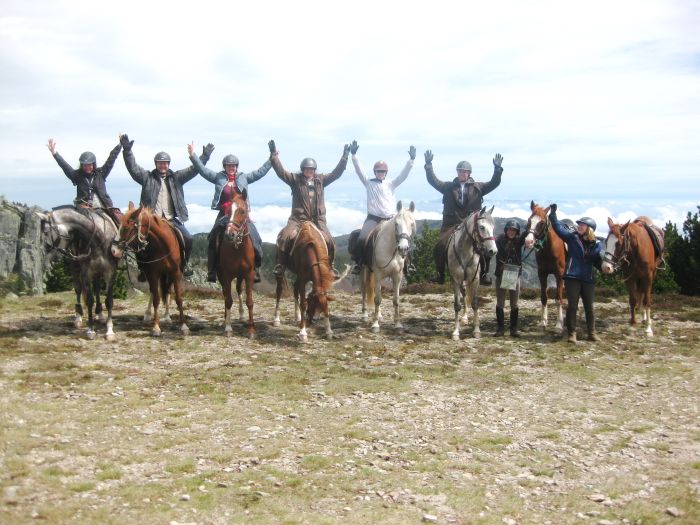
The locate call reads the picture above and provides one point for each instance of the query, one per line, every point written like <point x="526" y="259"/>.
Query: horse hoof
<point x="477" y="335"/>
<point x="90" y="334"/>
<point x="455" y="337"/>
<point x="398" y="327"/>
<point x="304" y="338"/>
<point x="156" y="333"/>
<point x="166" y="319"/>
<point x="228" y="331"/>
<point x="110" y="337"/>
<point x="276" y="322"/>
<point x="329" y="335"/>
<point x="251" y="335"/>
<point x="375" y="329"/>
<point x="185" y="329"/>
<point x="78" y="324"/>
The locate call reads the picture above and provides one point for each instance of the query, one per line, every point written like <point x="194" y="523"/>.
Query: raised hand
<point x="52" y="146"/>
<point x="272" y="146"/>
<point x="207" y="150"/>
<point x="346" y="150"/>
<point x="354" y="147"/>
<point x="498" y="160"/>
<point x="190" y="148"/>
<point x="553" y="208"/>
<point x="125" y="142"/>
<point x="412" y="152"/>
<point x="428" y="157"/>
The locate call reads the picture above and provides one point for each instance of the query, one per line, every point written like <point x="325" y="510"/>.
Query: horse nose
<point x="606" y="267"/>
<point x="529" y="242"/>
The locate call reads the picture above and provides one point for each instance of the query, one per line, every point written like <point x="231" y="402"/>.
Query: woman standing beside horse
<point x="508" y="268"/>
<point x="584" y="251"/>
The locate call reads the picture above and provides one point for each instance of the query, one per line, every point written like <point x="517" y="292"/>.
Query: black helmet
<point x="512" y="223"/>
<point x="464" y="165"/>
<point x="230" y="159"/>
<point x="161" y="156"/>
<point x="88" y="158"/>
<point x="587" y="221"/>
<point x="308" y="162"/>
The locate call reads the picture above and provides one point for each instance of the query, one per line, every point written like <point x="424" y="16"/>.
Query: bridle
<point x="476" y="239"/>
<point x="141" y="239"/>
<point x="237" y="231"/>
<point x="57" y="237"/>
<point x="400" y="235"/>
<point x="541" y="238"/>
<point x="622" y="249"/>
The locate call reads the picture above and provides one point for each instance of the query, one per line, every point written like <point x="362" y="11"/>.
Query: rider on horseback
<point x="381" y="203"/>
<point x="227" y="182"/>
<point x="307" y="203"/>
<point x="162" y="190"/>
<point x="460" y="197"/>
<point x="89" y="180"/>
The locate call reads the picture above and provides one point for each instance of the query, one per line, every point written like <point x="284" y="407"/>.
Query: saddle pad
<point x="657" y="237"/>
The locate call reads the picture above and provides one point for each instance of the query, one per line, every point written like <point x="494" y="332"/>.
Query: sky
<point x="593" y="105"/>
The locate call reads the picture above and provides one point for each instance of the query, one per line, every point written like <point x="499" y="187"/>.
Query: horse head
<point x="537" y="225"/>
<point x="614" y="245"/>
<point x="481" y="231"/>
<point x="237" y="228"/>
<point x="405" y="227"/>
<point x="130" y="235"/>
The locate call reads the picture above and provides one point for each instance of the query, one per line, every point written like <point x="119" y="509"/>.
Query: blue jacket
<point x="581" y="255"/>
<point x="220" y="179"/>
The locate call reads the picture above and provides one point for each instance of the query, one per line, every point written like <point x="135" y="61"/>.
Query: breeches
<point x="586" y="291"/>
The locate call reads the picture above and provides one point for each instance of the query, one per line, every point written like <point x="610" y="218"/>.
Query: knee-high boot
<point x="514" y="332"/>
<point x="500" y="322"/>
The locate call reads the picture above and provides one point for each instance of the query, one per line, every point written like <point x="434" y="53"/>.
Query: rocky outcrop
<point x="21" y="250"/>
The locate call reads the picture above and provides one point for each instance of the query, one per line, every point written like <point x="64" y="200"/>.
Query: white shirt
<point x="164" y="205"/>
<point x="380" y="194"/>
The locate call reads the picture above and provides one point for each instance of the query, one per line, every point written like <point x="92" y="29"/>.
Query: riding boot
<point x="592" y="336"/>
<point x="211" y="258"/>
<point x="484" y="264"/>
<point x="514" y="332"/>
<point x="331" y="259"/>
<point x="500" y="322"/>
<point x="279" y="263"/>
<point x="439" y="256"/>
<point x="571" y="326"/>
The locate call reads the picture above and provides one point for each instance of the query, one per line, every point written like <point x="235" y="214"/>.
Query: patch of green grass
<point x="641" y="429"/>
<point x="108" y="471"/>
<point x="82" y="486"/>
<point x="491" y="442"/>
<point x="550" y="435"/>
<point x="186" y="466"/>
<point x="315" y="462"/>
<point x="55" y="470"/>
<point x="620" y="444"/>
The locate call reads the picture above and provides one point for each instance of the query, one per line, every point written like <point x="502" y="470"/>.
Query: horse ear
<point x="490" y="212"/>
<point x="546" y="210"/>
<point x="131" y="205"/>
<point x="412" y="207"/>
<point x="399" y="205"/>
<point x="610" y="222"/>
<point x="42" y="216"/>
<point x="532" y="205"/>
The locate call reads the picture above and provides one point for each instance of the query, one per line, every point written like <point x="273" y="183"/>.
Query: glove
<point x="125" y="142"/>
<point x="272" y="146"/>
<point x="428" y="157"/>
<point x="552" y="209"/>
<point x="498" y="160"/>
<point x="346" y="150"/>
<point x="412" y="152"/>
<point x="207" y="150"/>
<point x="354" y="147"/>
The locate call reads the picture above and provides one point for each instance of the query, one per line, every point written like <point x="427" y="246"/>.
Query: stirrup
<point x="279" y="270"/>
<point x="356" y="269"/>
<point x="187" y="271"/>
<point x="257" y="279"/>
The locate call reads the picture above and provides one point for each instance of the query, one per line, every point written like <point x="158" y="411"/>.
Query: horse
<point x="472" y="237"/>
<point x="156" y="246"/>
<point x="309" y="260"/>
<point x="630" y="248"/>
<point x="391" y="244"/>
<point x="237" y="259"/>
<point x="83" y="238"/>
<point x="550" y="253"/>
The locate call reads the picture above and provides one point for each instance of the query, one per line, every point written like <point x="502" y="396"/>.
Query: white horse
<point x="391" y="245"/>
<point x="82" y="239"/>
<point x="472" y="237"/>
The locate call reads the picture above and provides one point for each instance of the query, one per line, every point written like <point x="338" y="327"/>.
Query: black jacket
<point x="89" y="185"/>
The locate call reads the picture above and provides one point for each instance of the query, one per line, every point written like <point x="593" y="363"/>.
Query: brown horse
<point x="309" y="260"/>
<point x="237" y="259"/>
<point x="629" y="247"/>
<point x="155" y="244"/>
<point x="551" y="259"/>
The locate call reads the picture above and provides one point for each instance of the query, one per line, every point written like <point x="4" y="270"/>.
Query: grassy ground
<point x="395" y="427"/>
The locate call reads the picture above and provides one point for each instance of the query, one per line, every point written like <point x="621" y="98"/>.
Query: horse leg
<point x="165" y="294"/>
<point x="465" y="313"/>
<point x="153" y="284"/>
<point x="99" y="314"/>
<point x="300" y="303"/>
<point x="559" y="327"/>
<point x="250" y="278"/>
<point x="456" y="286"/>
<point x="397" y="284"/>
<point x="474" y="300"/>
<point x="184" y="329"/>
<point x="647" y="309"/>
<point x="148" y="314"/>
<point x="276" y="318"/>
<point x="78" y="287"/>
<point x="632" y="293"/>
<point x="543" y="299"/>
<point x="239" y="283"/>
<point x="363" y="289"/>
<point x="228" y="303"/>
<point x="109" y="303"/>
<point x="377" y="284"/>
<point x="90" y="303"/>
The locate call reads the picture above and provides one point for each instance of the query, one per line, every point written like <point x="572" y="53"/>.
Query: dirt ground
<point x="396" y="427"/>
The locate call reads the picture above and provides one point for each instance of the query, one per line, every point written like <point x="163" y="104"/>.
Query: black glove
<point x="498" y="160"/>
<point x="354" y="147"/>
<point x="124" y="141"/>
<point x="207" y="150"/>
<point x="412" y="152"/>
<point x="346" y="150"/>
<point x="428" y="157"/>
<point x="272" y="146"/>
<point x="552" y="209"/>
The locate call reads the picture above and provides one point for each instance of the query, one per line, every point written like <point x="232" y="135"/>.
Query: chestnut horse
<point x="629" y="247"/>
<point x="237" y="259"/>
<point x="551" y="259"/>
<point x="309" y="260"/>
<point x="155" y="244"/>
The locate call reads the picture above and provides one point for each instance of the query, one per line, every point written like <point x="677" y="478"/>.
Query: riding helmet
<point x="587" y="221"/>
<point x="230" y="159"/>
<point x="88" y="158"/>
<point x="464" y="165"/>
<point x="308" y="162"/>
<point x="381" y="166"/>
<point x="161" y="156"/>
<point x="512" y="223"/>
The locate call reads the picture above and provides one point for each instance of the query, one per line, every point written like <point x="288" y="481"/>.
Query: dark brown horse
<point x="309" y="260"/>
<point x="237" y="259"/>
<point x="550" y="253"/>
<point x="155" y="244"/>
<point x="629" y="247"/>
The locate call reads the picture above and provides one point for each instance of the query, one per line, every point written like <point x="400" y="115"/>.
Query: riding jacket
<point x="88" y="186"/>
<point x="457" y="204"/>
<point x="581" y="255"/>
<point x="509" y="251"/>
<point x="151" y="182"/>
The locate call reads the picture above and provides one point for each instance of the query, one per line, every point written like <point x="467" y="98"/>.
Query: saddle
<point x="656" y="235"/>
<point x="180" y="240"/>
<point x="366" y="251"/>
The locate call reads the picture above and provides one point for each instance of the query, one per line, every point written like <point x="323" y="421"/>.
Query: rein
<point x="477" y="244"/>
<point x="398" y="236"/>
<point x="540" y="241"/>
<point x="142" y="242"/>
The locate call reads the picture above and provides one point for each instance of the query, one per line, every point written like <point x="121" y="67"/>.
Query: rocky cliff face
<point x="21" y="250"/>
